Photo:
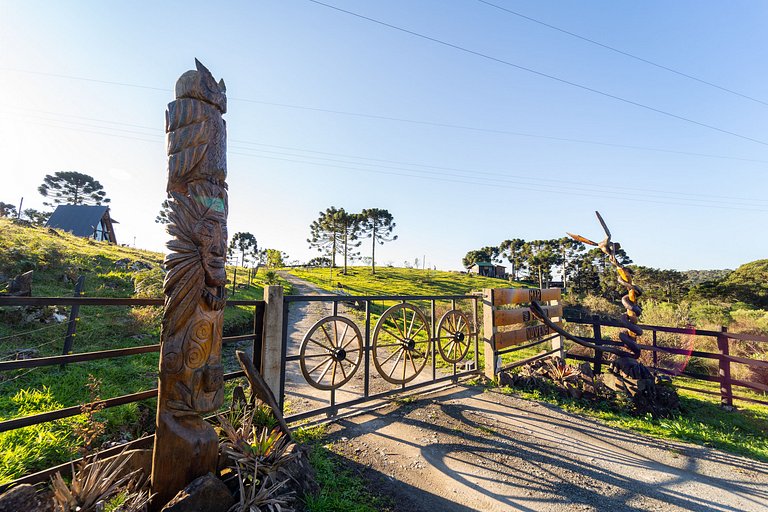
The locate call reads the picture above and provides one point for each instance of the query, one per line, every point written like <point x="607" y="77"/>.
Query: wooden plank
<point x="521" y="315"/>
<point x="518" y="336"/>
<point x="504" y="296"/>
<point x="757" y="386"/>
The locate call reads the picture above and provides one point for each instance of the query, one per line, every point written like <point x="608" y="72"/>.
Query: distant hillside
<point x="400" y="281"/>
<point x="695" y="277"/>
<point x="110" y="271"/>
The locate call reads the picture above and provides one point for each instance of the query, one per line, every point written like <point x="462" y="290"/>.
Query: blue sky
<point x="327" y="109"/>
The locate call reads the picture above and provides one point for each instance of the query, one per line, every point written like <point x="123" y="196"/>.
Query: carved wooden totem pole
<point x="191" y="375"/>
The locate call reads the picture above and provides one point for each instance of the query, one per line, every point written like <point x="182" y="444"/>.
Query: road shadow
<point x="536" y="457"/>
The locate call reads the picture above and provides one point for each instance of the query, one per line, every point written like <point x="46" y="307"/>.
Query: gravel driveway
<point x="466" y="449"/>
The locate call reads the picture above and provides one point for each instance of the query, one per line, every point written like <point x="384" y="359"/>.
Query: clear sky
<point x="328" y="109"/>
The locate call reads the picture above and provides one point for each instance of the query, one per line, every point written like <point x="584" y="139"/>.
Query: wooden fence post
<point x="74" y="314"/>
<point x="272" y="347"/>
<point x="726" y="393"/>
<point x="492" y="363"/>
<point x="558" y="342"/>
<point x="258" y="335"/>
<point x="597" y="366"/>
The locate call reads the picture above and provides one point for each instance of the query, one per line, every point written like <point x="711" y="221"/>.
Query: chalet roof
<point x="486" y="264"/>
<point x="78" y="219"/>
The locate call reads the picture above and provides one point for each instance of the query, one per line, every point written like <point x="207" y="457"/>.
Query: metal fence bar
<point x="347" y="298"/>
<point x="58" y="414"/>
<point x="98" y="301"/>
<point x="316" y="412"/>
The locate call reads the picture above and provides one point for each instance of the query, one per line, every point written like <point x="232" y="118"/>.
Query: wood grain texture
<point x="504" y="296"/>
<point x="191" y="374"/>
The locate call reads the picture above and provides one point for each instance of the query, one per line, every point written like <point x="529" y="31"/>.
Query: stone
<point x="205" y="494"/>
<point x="20" y="286"/>
<point x="22" y="497"/>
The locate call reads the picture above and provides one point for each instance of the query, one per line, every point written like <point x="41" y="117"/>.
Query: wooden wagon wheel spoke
<point x="453" y="336"/>
<point x="391" y="334"/>
<point x="394" y="366"/>
<point x="346" y="347"/>
<point x="321" y="363"/>
<point x="326" y="347"/>
<point x="392" y="349"/>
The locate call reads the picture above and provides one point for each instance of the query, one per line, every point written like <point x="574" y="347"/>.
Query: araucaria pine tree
<point x="376" y="224"/>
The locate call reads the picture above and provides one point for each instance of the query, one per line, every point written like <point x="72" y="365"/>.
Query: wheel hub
<point x="459" y="336"/>
<point x="409" y="344"/>
<point x="339" y="354"/>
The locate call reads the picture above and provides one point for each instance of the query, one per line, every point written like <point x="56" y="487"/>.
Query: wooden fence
<point x="725" y="360"/>
<point x="75" y="302"/>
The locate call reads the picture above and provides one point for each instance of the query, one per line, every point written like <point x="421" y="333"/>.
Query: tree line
<point x="63" y="187"/>
<point x="339" y="232"/>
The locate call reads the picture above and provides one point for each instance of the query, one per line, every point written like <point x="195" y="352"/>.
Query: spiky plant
<point x="96" y="482"/>
<point x="561" y="372"/>
<point x="257" y="455"/>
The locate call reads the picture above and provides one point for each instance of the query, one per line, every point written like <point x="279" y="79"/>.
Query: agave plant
<point x="97" y="482"/>
<point x="257" y="454"/>
<point x="561" y="372"/>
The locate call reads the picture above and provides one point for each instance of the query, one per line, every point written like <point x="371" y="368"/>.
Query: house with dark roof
<point x="86" y="221"/>
<point x="488" y="269"/>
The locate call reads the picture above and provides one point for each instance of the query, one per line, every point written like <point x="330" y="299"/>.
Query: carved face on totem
<point x="210" y="236"/>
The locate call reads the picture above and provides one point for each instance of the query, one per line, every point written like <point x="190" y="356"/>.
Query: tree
<point x="513" y="250"/>
<point x="540" y="256"/>
<point x="165" y="209"/>
<point x="486" y="254"/>
<point x="71" y="187"/>
<point x="276" y="258"/>
<point x="348" y="225"/>
<point x="246" y="244"/>
<point x="37" y="217"/>
<point x="376" y="224"/>
<point x="7" y="210"/>
<point x="324" y="234"/>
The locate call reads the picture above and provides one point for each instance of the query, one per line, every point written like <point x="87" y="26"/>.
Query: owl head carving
<point x="200" y="85"/>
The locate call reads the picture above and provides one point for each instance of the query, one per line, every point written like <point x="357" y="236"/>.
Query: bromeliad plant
<point x="257" y="452"/>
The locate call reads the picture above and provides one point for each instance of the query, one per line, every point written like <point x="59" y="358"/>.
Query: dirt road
<point x="465" y="449"/>
<point x="300" y="396"/>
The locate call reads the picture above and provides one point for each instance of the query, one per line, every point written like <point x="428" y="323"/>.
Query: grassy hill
<point x="399" y="281"/>
<point x="57" y="260"/>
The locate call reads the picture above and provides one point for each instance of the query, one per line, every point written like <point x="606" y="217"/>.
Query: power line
<point x="495" y="184"/>
<point x="541" y="73"/>
<point x="464" y="173"/>
<point x="622" y="52"/>
<point x="403" y="120"/>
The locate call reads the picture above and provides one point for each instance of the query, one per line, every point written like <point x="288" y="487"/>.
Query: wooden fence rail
<point x="723" y="356"/>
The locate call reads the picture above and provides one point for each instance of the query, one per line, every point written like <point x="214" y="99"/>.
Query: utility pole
<point x="18" y="213"/>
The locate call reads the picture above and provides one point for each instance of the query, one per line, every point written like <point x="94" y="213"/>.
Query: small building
<point x="85" y="221"/>
<point x="488" y="269"/>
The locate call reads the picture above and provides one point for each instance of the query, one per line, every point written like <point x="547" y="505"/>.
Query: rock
<point x="20" y="286"/>
<point x="25" y="353"/>
<point x="21" y="497"/>
<point x="205" y="494"/>
<point x="302" y="475"/>
<point x="122" y="263"/>
<point x="140" y="265"/>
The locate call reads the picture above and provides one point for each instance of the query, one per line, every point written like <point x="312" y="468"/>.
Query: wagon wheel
<point x="331" y="352"/>
<point x="401" y="343"/>
<point x="453" y="336"/>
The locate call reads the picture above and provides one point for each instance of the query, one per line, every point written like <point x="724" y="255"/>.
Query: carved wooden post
<point x="191" y="375"/>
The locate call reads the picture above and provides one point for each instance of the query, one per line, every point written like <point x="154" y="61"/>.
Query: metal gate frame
<point x="333" y="406"/>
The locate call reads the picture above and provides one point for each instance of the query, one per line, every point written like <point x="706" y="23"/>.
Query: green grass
<point x="702" y="420"/>
<point x="57" y="260"/>
<point x="340" y="489"/>
<point x="399" y="281"/>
